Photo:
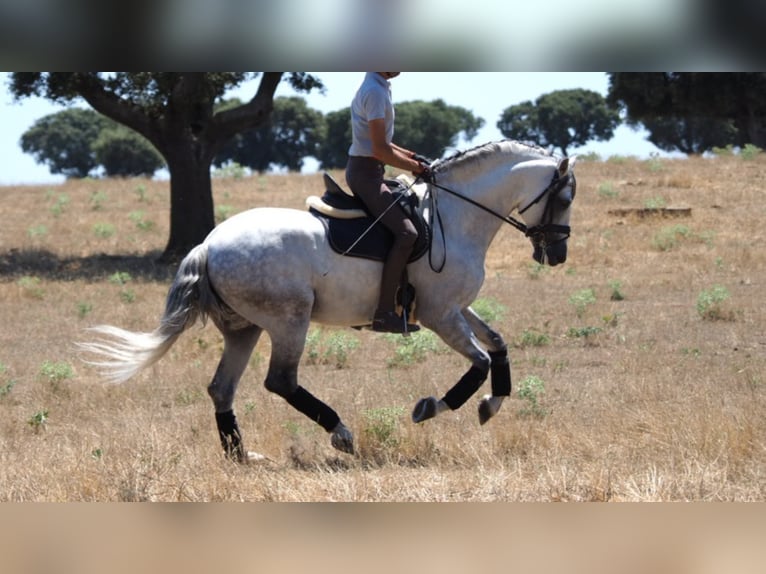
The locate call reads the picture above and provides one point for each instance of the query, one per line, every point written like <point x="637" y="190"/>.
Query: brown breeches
<point x="365" y="178"/>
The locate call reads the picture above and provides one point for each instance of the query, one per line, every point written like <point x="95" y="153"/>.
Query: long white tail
<point x="120" y="354"/>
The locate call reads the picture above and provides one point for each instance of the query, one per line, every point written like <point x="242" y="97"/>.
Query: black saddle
<point x="358" y="235"/>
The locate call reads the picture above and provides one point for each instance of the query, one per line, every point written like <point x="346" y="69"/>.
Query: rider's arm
<point x="389" y="153"/>
<point x="406" y="152"/>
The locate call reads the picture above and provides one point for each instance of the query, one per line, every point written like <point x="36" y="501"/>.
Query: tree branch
<point x="93" y="90"/>
<point x="250" y="115"/>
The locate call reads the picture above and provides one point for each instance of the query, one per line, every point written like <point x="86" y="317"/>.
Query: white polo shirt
<point x="371" y="102"/>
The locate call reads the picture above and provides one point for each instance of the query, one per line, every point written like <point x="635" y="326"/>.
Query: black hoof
<point x="484" y="412"/>
<point x="424" y="410"/>
<point x="342" y="439"/>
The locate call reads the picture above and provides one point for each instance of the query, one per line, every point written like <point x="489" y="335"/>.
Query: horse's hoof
<point x="342" y="439"/>
<point x="426" y="409"/>
<point x="488" y="407"/>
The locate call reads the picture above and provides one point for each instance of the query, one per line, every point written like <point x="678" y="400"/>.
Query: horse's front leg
<point x="456" y="331"/>
<point x="500" y="365"/>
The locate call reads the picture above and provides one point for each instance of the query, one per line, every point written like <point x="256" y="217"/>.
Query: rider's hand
<point x="424" y="174"/>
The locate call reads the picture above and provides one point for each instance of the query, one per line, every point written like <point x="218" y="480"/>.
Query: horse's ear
<point x="565" y="164"/>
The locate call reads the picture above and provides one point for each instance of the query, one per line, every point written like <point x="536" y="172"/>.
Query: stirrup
<point x="390" y="322"/>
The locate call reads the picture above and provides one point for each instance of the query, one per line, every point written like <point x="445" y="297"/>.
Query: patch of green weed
<point x="30" y="287"/>
<point x="607" y="189"/>
<point x="711" y="304"/>
<point x="333" y="348"/>
<point x="488" y="309"/>
<point x="669" y="237"/>
<point x="103" y="230"/>
<point x="138" y="218"/>
<point x="581" y="300"/>
<point x="38" y="421"/>
<point x="531" y="390"/>
<point x="414" y="349"/>
<point x="36" y="231"/>
<point x="533" y="338"/>
<point x="656" y="202"/>
<point x="381" y="425"/>
<point x="616" y="294"/>
<point x="55" y="372"/>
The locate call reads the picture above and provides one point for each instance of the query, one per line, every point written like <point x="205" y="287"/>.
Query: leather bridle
<point x="537" y="232"/>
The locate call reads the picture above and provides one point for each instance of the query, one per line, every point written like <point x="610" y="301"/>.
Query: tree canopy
<point x="125" y="153"/>
<point x="431" y="128"/>
<point x="709" y="109"/>
<point x="333" y="151"/>
<point x="63" y="141"/>
<point x="562" y="119"/>
<point x="293" y="132"/>
<point x="76" y="141"/>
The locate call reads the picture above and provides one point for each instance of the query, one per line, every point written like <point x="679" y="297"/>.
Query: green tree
<point x="175" y="112"/>
<point x="75" y="141"/>
<point x="690" y="135"/>
<point x="293" y="132"/>
<point x="333" y="150"/>
<point x="722" y="108"/>
<point x="520" y="122"/>
<point x="125" y="153"/>
<point x="63" y="141"/>
<point x="431" y="128"/>
<point x="562" y="119"/>
<point x="428" y="128"/>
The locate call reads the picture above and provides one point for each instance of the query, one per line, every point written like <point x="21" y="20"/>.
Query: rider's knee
<point x="408" y="236"/>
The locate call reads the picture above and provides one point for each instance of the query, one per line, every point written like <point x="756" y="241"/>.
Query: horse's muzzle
<point x="551" y="254"/>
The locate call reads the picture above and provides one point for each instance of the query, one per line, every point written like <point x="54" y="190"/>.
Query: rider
<point x="372" y="126"/>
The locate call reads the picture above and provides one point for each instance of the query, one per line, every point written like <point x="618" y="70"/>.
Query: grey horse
<point x="272" y="269"/>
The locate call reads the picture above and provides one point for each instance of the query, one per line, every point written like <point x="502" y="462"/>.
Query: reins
<point x="555" y="186"/>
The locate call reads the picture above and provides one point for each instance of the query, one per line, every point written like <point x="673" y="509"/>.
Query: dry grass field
<point x="638" y="365"/>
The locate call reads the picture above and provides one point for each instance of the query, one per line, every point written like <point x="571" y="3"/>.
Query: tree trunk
<point x="191" y="202"/>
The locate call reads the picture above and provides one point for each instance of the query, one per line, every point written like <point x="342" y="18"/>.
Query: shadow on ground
<point x="44" y="264"/>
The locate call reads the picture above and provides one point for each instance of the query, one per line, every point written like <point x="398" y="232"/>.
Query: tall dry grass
<point x="644" y="399"/>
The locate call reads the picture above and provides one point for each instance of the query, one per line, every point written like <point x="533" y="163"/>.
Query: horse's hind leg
<point x="238" y="346"/>
<point x="282" y="379"/>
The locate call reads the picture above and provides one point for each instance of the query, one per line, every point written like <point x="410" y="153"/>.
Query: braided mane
<point x="509" y="151"/>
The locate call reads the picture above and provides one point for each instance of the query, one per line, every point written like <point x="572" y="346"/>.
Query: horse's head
<point x="547" y="216"/>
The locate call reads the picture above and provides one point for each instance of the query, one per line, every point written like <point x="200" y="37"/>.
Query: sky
<point x="485" y="94"/>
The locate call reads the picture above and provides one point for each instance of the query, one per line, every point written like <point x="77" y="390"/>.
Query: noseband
<point x="546" y="224"/>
